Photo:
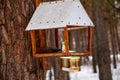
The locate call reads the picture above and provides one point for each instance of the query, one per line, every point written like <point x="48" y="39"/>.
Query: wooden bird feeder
<point x="70" y="64"/>
<point x="59" y="16"/>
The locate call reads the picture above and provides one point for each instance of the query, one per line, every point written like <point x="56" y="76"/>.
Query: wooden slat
<point x="90" y="39"/>
<point x="79" y="54"/>
<point x="76" y="27"/>
<point x="66" y="40"/>
<point x="38" y="55"/>
<point x="49" y="55"/>
<point x="33" y="41"/>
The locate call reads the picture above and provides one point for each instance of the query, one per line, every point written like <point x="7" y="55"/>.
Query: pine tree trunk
<point x="113" y="36"/>
<point x="15" y="54"/>
<point x="113" y="46"/>
<point x="103" y="54"/>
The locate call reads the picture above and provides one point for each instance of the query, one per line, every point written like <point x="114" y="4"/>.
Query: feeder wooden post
<point x="66" y="40"/>
<point x="33" y="41"/>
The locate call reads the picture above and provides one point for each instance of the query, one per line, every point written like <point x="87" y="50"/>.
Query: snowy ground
<point x="86" y="72"/>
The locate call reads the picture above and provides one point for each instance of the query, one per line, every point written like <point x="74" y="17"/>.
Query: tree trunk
<point x="15" y="54"/>
<point x="103" y="54"/>
<point x="113" y="46"/>
<point x="94" y="56"/>
<point x="113" y="36"/>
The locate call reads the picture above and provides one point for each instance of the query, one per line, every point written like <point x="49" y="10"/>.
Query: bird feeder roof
<point x="59" y="14"/>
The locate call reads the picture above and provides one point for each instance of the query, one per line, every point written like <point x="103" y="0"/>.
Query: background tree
<point x="103" y="53"/>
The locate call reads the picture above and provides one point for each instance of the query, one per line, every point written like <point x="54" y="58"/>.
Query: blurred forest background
<point x="16" y="60"/>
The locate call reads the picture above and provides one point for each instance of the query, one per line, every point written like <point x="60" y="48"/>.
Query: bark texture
<point x="15" y="50"/>
<point x="103" y="53"/>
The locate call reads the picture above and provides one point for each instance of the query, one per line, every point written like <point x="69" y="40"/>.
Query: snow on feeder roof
<point x="59" y="14"/>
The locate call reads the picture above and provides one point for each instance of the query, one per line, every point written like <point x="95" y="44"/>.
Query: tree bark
<point x="16" y="60"/>
<point x="103" y="54"/>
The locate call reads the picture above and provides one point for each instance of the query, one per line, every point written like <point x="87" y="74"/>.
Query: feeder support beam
<point x="33" y="42"/>
<point x="66" y="39"/>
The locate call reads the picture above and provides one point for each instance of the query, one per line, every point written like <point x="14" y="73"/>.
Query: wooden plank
<point x="90" y="39"/>
<point x="77" y="27"/>
<point x="38" y="55"/>
<point x="49" y="55"/>
<point x="79" y="54"/>
<point x="66" y="40"/>
<point x="33" y="41"/>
